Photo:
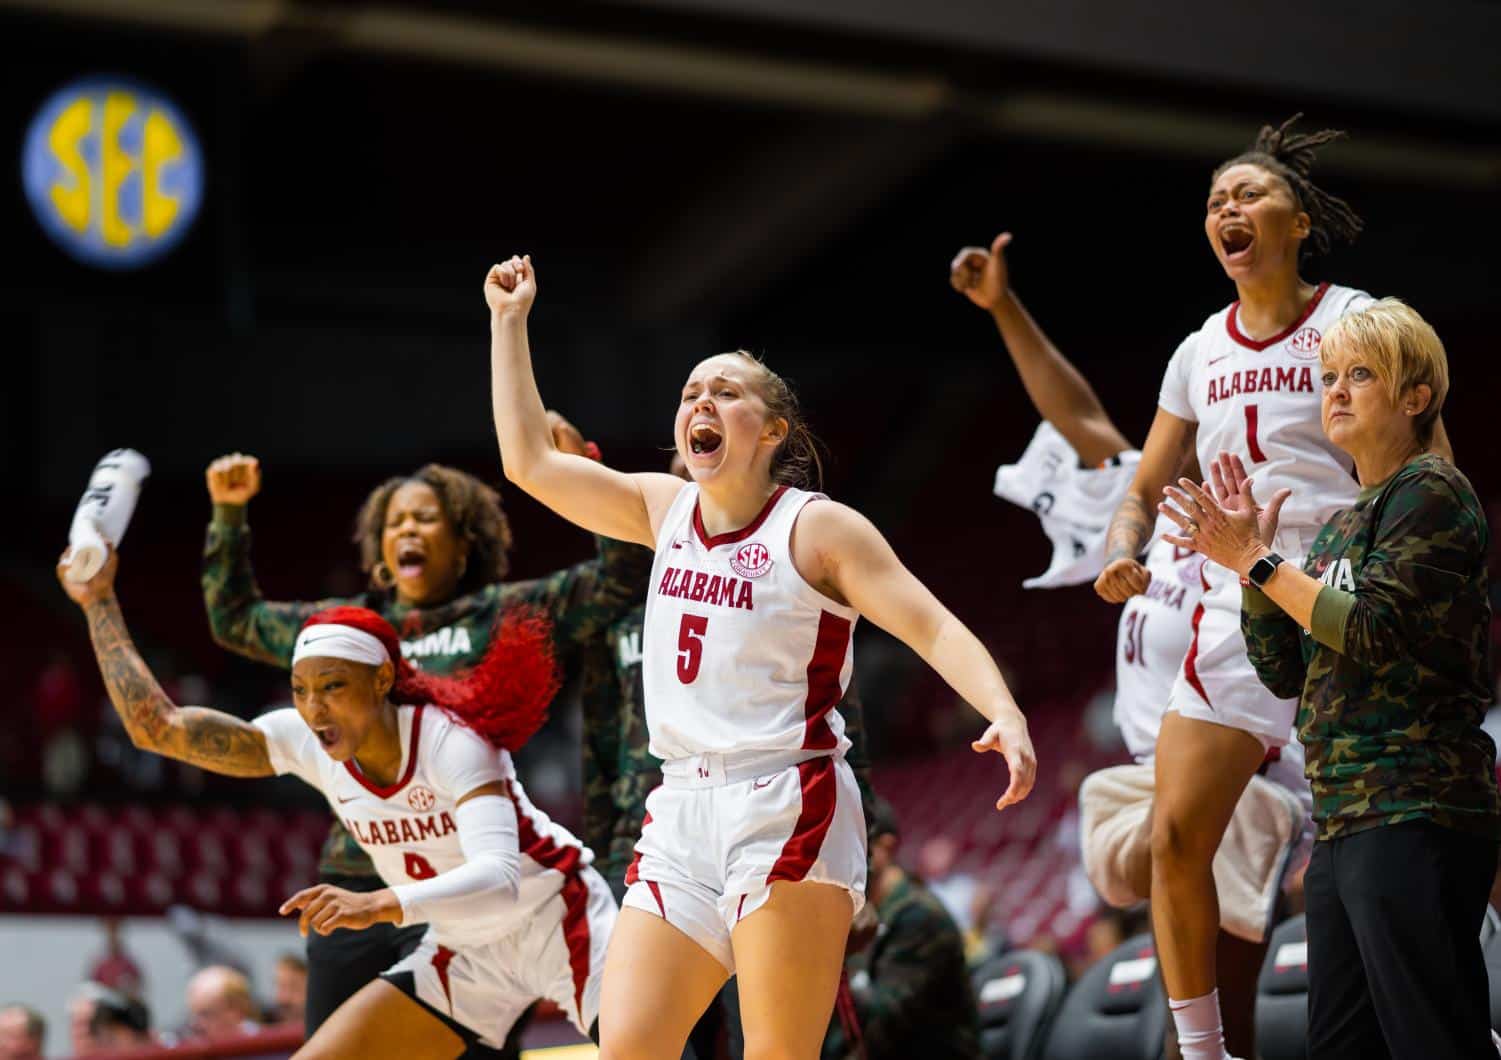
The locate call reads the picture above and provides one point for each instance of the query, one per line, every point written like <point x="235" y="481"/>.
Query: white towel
<point x="1248" y="868"/>
<point x="1075" y="504"/>
<point x="104" y="512"/>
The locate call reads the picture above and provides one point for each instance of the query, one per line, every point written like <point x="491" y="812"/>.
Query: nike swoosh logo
<point x="350" y="799"/>
<point x="758" y="785"/>
<point x="326" y="636"/>
<point x="1220" y="358"/>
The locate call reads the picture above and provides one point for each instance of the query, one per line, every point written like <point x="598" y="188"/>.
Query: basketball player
<point x="1084" y="461"/>
<point x="418" y="769"/>
<point x="436" y="546"/>
<point x="752" y="859"/>
<point x="1244" y="383"/>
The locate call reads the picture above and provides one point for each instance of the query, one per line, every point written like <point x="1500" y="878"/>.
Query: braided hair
<point x="1290" y="156"/>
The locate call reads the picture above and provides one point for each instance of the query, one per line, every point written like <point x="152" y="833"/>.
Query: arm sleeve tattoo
<point x="209" y="739"/>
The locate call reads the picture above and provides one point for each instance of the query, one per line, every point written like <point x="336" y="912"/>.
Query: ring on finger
<point x="1192" y="528"/>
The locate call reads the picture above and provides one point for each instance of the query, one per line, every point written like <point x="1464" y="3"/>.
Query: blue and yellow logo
<point x="113" y="172"/>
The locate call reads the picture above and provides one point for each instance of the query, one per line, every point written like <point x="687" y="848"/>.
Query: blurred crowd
<point x="107" y="1013"/>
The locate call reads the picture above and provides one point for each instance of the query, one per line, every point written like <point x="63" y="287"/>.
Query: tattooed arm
<point x="209" y="739"/>
<point x="1169" y="445"/>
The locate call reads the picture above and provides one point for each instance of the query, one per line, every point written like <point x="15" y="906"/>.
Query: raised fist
<point x="981" y="275"/>
<point x="233" y="479"/>
<point x="511" y="287"/>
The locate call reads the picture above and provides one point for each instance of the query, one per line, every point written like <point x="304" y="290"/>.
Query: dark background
<point x="787" y="176"/>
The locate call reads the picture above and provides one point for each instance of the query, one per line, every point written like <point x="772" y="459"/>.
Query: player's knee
<point x="1177" y="846"/>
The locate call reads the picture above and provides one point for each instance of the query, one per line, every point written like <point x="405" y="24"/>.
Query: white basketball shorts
<point x="559" y="954"/>
<point x="715" y="840"/>
<point x="1216" y="682"/>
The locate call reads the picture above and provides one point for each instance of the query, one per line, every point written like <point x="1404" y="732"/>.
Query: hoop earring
<point x="381" y="575"/>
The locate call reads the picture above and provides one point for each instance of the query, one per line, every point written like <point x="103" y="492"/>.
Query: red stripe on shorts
<point x="1190" y="661"/>
<point x="820" y="795"/>
<point x="576" y="934"/>
<point x="440" y="965"/>
<point x="656" y="892"/>
<point x="823" y="681"/>
<point x="633" y="870"/>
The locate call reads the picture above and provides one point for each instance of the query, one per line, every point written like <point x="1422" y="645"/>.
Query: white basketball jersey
<point x="1154" y="633"/>
<point x="408" y="828"/>
<point x="739" y="652"/>
<point x="1260" y="400"/>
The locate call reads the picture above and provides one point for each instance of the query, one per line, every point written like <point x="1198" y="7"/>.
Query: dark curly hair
<point x="471" y="506"/>
<point x="1291" y="156"/>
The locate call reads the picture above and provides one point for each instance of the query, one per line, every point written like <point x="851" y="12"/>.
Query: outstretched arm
<point x="841" y="553"/>
<point x="209" y="739"/>
<point x="1059" y="393"/>
<point x="479" y="893"/>
<point x="583" y="491"/>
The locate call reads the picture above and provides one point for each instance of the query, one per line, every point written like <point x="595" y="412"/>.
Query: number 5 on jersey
<point x="691" y="646"/>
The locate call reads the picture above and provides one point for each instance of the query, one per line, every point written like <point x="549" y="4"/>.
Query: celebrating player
<point x="1085" y="463"/>
<point x="436" y="546"/>
<point x="418" y="769"/>
<point x="752" y="860"/>
<point x="1244" y="383"/>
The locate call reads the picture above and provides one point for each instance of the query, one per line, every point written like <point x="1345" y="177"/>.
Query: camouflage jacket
<point x="582" y="601"/>
<point x="1394" y="676"/>
<point x="619" y="771"/>
<point x="911" y="985"/>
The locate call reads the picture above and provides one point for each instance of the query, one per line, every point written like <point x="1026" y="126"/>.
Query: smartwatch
<point x="1262" y="570"/>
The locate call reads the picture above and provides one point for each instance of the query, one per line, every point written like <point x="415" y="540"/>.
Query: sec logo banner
<point x="112" y="171"/>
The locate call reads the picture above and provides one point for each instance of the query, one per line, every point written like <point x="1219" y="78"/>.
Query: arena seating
<point x="135" y="860"/>
<point x="1118" y="1009"/>
<point x="1019" y="996"/>
<point x="1282" y="994"/>
<point x="1027" y="852"/>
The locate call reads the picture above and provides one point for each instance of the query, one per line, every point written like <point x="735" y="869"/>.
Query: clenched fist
<point x="511" y="287"/>
<point x="233" y="479"/>
<point x="1122" y="579"/>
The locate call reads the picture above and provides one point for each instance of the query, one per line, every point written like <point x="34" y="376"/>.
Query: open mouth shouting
<point x="411" y="559"/>
<point x="1236" y="240"/>
<point x="703" y="439"/>
<point x="328" y="735"/>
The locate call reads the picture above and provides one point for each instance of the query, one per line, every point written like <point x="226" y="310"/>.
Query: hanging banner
<point x="112" y="171"/>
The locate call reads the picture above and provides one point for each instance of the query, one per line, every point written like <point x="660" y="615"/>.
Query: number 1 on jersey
<point x="691" y="646"/>
<point x="1253" y="447"/>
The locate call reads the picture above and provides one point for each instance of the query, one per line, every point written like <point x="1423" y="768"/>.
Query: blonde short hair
<point x="1403" y="351"/>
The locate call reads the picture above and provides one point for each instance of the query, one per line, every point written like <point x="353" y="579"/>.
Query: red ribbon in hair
<point x="504" y="697"/>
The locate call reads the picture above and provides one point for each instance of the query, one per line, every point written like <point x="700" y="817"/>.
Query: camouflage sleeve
<point x="853" y="711"/>
<point x="599" y="701"/>
<point x="584" y="600"/>
<point x="897" y="995"/>
<point x="1273" y="644"/>
<point x="1428" y="544"/>
<point x="238" y="617"/>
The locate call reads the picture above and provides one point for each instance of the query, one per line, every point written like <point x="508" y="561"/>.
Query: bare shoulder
<point x="829" y="535"/>
<point x="658" y="491"/>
